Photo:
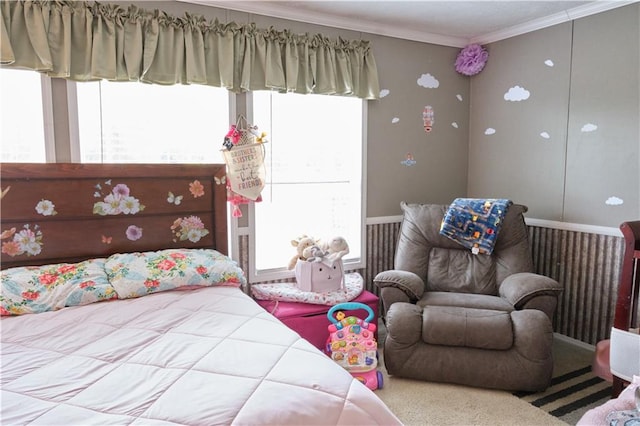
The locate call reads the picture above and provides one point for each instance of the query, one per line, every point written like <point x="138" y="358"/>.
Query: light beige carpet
<point x="425" y="403"/>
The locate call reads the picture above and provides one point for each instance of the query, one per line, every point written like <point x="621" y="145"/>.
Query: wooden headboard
<point x="68" y="212"/>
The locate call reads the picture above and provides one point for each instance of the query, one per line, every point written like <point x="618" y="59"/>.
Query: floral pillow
<point x="34" y="289"/>
<point x="138" y="274"/>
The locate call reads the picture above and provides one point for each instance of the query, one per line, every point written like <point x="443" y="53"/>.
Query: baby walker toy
<point x="352" y="344"/>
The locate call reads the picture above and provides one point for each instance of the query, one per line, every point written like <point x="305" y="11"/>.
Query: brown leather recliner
<point x="473" y="319"/>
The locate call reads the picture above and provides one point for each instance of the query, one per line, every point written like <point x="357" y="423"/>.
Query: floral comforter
<point x="35" y="289"/>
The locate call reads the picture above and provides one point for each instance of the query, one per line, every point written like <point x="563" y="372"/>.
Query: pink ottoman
<point x="310" y="321"/>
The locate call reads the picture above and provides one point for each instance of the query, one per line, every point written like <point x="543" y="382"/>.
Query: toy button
<point x="340" y="334"/>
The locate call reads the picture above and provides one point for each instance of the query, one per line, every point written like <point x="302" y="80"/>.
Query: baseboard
<point x="574" y="342"/>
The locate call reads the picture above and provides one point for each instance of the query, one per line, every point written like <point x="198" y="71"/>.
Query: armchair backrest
<point x="445" y="265"/>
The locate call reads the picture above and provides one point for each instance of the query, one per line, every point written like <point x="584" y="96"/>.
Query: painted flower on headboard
<point x="188" y="228"/>
<point x="134" y="233"/>
<point x="471" y="60"/>
<point x="26" y="241"/>
<point x="46" y="208"/>
<point x="118" y="201"/>
<point x="196" y="188"/>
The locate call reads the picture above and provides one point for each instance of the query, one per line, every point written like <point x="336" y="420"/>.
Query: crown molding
<point x="274" y="10"/>
<point x="548" y="21"/>
<point x="333" y="21"/>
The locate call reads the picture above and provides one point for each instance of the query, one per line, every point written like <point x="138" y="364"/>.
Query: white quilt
<point x="208" y="356"/>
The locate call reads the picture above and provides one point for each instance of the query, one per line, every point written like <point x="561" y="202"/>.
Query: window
<point x="314" y="161"/>
<point x="24" y="104"/>
<point x="124" y="122"/>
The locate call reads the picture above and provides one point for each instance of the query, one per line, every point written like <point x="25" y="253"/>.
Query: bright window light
<point x="21" y="117"/>
<point x="126" y="122"/>
<point x="314" y="174"/>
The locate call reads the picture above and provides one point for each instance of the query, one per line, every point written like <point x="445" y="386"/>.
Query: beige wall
<point x="440" y="172"/>
<point x="594" y="80"/>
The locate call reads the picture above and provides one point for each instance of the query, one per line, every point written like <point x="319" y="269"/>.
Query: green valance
<point x="90" y="41"/>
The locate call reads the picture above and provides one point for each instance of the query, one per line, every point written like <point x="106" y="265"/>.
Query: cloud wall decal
<point x="517" y="94"/>
<point x="614" y="201"/>
<point x="428" y="81"/>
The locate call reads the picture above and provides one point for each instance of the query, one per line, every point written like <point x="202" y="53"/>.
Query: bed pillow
<point x="34" y="289"/>
<point x="138" y="274"/>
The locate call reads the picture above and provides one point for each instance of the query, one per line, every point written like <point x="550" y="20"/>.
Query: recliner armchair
<point x="472" y="319"/>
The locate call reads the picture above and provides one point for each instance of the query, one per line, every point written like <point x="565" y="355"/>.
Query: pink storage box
<point x="319" y="277"/>
<point x="310" y="321"/>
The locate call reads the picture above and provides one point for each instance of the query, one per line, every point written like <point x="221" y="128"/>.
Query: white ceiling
<point x="451" y="23"/>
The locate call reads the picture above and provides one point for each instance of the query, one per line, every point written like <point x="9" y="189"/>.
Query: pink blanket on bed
<point x="198" y="357"/>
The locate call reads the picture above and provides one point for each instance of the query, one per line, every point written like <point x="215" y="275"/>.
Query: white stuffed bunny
<point x="336" y="248"/>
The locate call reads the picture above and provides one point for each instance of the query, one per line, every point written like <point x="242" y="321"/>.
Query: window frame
<point x="48" y="119"/>
<point x="258" y="276"/>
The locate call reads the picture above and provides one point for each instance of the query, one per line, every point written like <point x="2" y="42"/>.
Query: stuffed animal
<point x="301" y="244"/>
<point x="313" y="253"/>
<point x="335" y="248"/>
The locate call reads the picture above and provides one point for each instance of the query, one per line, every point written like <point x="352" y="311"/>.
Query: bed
<point x="120" y="306"/>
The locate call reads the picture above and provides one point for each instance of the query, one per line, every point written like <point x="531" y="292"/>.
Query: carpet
<point x="421" y="403"/>
<point x="574" y="388"/>
<point x="426" y="403"/>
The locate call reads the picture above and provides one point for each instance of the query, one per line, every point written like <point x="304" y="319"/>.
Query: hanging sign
<point x="244" y="156"/>
<point x="245" y="169"/>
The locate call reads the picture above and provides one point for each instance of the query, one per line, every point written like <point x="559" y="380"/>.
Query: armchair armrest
<point x="522" y="287"/>
<point x="411" y="284"/>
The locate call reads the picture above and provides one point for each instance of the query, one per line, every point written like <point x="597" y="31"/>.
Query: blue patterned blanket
<point x="474" y="222"/>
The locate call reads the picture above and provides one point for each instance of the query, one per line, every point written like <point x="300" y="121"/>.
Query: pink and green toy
<point x="352" y="343"/>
